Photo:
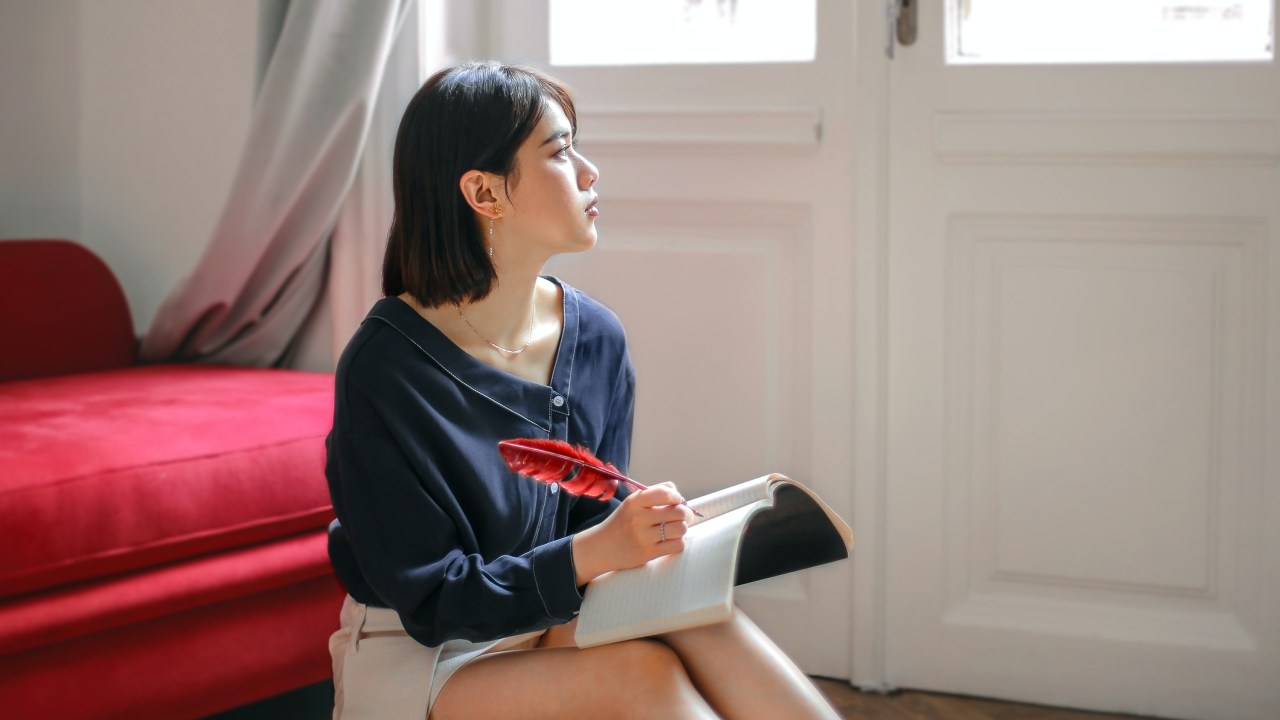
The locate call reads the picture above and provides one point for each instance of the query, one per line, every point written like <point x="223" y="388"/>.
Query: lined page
<point x="730" y="498"/>
<point x="669" y="592"/>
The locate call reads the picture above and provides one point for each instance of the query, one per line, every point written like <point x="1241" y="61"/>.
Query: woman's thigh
<point x="638" y="678"/>
<point x="559" y="635"/>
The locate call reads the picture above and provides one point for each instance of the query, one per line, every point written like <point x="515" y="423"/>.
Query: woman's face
<point x="550" y="204"/>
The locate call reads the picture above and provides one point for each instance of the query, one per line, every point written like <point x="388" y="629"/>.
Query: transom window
<point x="1109" y="31"/>
<point x="667" y="32"/>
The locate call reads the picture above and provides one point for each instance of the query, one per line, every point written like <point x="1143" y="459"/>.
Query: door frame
<point x="870" y="333"/>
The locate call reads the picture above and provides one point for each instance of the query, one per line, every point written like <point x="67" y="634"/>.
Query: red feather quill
<point x="554" y="461"/>
<point x="577" y="470"/>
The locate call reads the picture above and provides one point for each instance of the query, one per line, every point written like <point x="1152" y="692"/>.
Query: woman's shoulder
<point x="594" y="317"/>
<point x="383" y="342"/>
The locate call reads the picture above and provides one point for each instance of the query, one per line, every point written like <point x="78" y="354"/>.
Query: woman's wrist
<point x="588" y="563"/>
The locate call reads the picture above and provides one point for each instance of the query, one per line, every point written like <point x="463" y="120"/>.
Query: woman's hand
<point x="648" y="524"/>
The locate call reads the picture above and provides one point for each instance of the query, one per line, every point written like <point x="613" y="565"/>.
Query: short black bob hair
<point x="471" y="117"/>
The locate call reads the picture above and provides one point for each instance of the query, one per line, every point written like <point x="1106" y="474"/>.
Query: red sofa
<point x="162" y="527"/>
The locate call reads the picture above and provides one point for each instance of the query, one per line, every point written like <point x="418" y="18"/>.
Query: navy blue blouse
<point x="430" y="521"/>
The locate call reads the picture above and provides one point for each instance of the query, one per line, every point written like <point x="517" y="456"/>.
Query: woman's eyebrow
<point x="559" y="133"/>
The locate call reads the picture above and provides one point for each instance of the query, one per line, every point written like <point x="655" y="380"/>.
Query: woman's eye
<point x="564" y="149"/>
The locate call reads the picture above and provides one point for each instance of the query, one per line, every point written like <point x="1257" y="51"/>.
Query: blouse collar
<point x="537" y="403"/>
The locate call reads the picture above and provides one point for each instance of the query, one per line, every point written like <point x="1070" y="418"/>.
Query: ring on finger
<point x="662" y="533"/>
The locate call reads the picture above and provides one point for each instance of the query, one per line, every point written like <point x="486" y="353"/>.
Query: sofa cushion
<point x="112" y="471"/>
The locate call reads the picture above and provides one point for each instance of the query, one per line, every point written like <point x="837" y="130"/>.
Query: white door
<point x="724" y="248"/>
<point x="1080" y="277"/>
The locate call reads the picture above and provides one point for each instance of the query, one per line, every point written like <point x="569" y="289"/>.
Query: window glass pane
<point x="1109" y="31"/>
<point x="665" y="32"/>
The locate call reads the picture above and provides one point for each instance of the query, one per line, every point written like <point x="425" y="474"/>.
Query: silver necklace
<point x="533" y="318"/>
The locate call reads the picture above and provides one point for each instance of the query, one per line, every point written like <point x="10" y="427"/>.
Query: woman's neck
<point x="501" y="330"/>
<point x="504" y="317"/>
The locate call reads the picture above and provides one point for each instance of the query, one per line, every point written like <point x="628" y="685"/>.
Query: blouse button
<point x="555" y="488"/>
<point x="558" y="401"/>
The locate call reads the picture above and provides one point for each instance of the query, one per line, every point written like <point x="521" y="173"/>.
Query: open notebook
<point x="758" y="529"/>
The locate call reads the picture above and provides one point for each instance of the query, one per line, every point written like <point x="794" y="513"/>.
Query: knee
<point x="656" y="682"/>
<point x="649" y="658"/>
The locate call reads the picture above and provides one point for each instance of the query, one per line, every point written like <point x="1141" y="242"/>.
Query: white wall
<point x="39" y="118"/>
<point x="122" y="126"/>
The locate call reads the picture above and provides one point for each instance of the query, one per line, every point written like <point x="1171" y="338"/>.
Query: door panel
<point x="1082" y="480"/>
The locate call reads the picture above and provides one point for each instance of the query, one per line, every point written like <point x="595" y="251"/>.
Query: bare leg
<point x="743" y="674"/>
<point x="634" y="679"/>
<point x="559" y="635"/>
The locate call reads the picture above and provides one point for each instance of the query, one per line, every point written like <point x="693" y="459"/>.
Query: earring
<point x="497" y="213"/>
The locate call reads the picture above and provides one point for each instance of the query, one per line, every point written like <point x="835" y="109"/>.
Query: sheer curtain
<point x="304" y="177"/>
<point x="360" y="234"/>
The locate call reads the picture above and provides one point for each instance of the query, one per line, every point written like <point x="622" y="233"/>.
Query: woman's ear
<point x="481" y="191"/>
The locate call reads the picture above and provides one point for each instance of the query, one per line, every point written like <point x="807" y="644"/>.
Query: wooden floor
<point x="913" y="705"/>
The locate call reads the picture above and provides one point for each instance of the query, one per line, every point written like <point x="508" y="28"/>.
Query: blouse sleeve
<point x="407" y="533"/>
<point x="410" y="551"/>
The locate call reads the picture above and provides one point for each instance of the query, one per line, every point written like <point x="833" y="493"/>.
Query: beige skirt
<point x="380" y="672"/>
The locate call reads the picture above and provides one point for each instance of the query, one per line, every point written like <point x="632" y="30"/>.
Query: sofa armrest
<point x="62" y="311"/>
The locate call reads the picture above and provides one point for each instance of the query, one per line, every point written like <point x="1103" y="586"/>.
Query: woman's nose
<point x="588" y="174"/>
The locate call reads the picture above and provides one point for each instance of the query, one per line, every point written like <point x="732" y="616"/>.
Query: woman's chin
<point x="585" y="243"/>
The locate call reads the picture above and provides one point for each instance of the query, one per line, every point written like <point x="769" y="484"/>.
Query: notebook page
<point x="735" y="496"/>
<point x="689" y="582"/>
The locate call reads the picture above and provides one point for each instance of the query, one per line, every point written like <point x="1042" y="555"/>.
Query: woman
<point x="457" y="569"/>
